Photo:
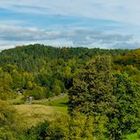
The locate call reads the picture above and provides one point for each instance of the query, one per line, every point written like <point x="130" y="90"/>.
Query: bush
<point x="37" y="92"/>
<point x="7" y="121"/>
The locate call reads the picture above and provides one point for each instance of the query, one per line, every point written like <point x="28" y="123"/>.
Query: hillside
<point x="49" y="70"/>
<point x="72" y="88"/>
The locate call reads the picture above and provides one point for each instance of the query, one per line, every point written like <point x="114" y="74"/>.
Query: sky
<point x="106" y="24"/>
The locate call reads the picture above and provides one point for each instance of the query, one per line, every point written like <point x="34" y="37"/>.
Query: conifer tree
<point x="92" y="89"/>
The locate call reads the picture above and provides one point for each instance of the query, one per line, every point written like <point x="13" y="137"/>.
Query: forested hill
<point x="44" y="71"/>
<point x="32" y="57"/>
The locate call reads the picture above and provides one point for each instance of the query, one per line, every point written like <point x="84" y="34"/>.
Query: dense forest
<point x="102" y="86"/>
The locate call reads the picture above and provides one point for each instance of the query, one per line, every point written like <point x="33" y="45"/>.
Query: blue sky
<point x="88" y="23"/>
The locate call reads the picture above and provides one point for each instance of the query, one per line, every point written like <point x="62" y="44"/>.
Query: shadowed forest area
<point x="77" y="93"/>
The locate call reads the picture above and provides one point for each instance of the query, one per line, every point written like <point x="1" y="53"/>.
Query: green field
<point x="39" y="110"/>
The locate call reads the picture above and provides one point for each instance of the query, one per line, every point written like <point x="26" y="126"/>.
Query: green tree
<point x="5" y="88"/>
<point x="7" y="121"/>
<point x="92" y="89"/>
<point x="126" y="115"/>
<point x="37" y="92"/>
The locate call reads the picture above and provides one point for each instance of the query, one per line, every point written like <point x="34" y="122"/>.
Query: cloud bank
<point x="104" y="24"/>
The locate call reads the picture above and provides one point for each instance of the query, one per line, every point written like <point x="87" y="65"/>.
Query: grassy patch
<point x="133" y="137"/>
<point x="60" y="101"/>
<point x="18" y="100"/>
<point x="33" y="114"/>
<point x="40" y="110"/>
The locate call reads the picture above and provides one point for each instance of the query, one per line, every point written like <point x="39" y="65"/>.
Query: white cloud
<point x="118" y="10"/>
<point x="12" y="31"/>
<point x="17" y="35"/>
